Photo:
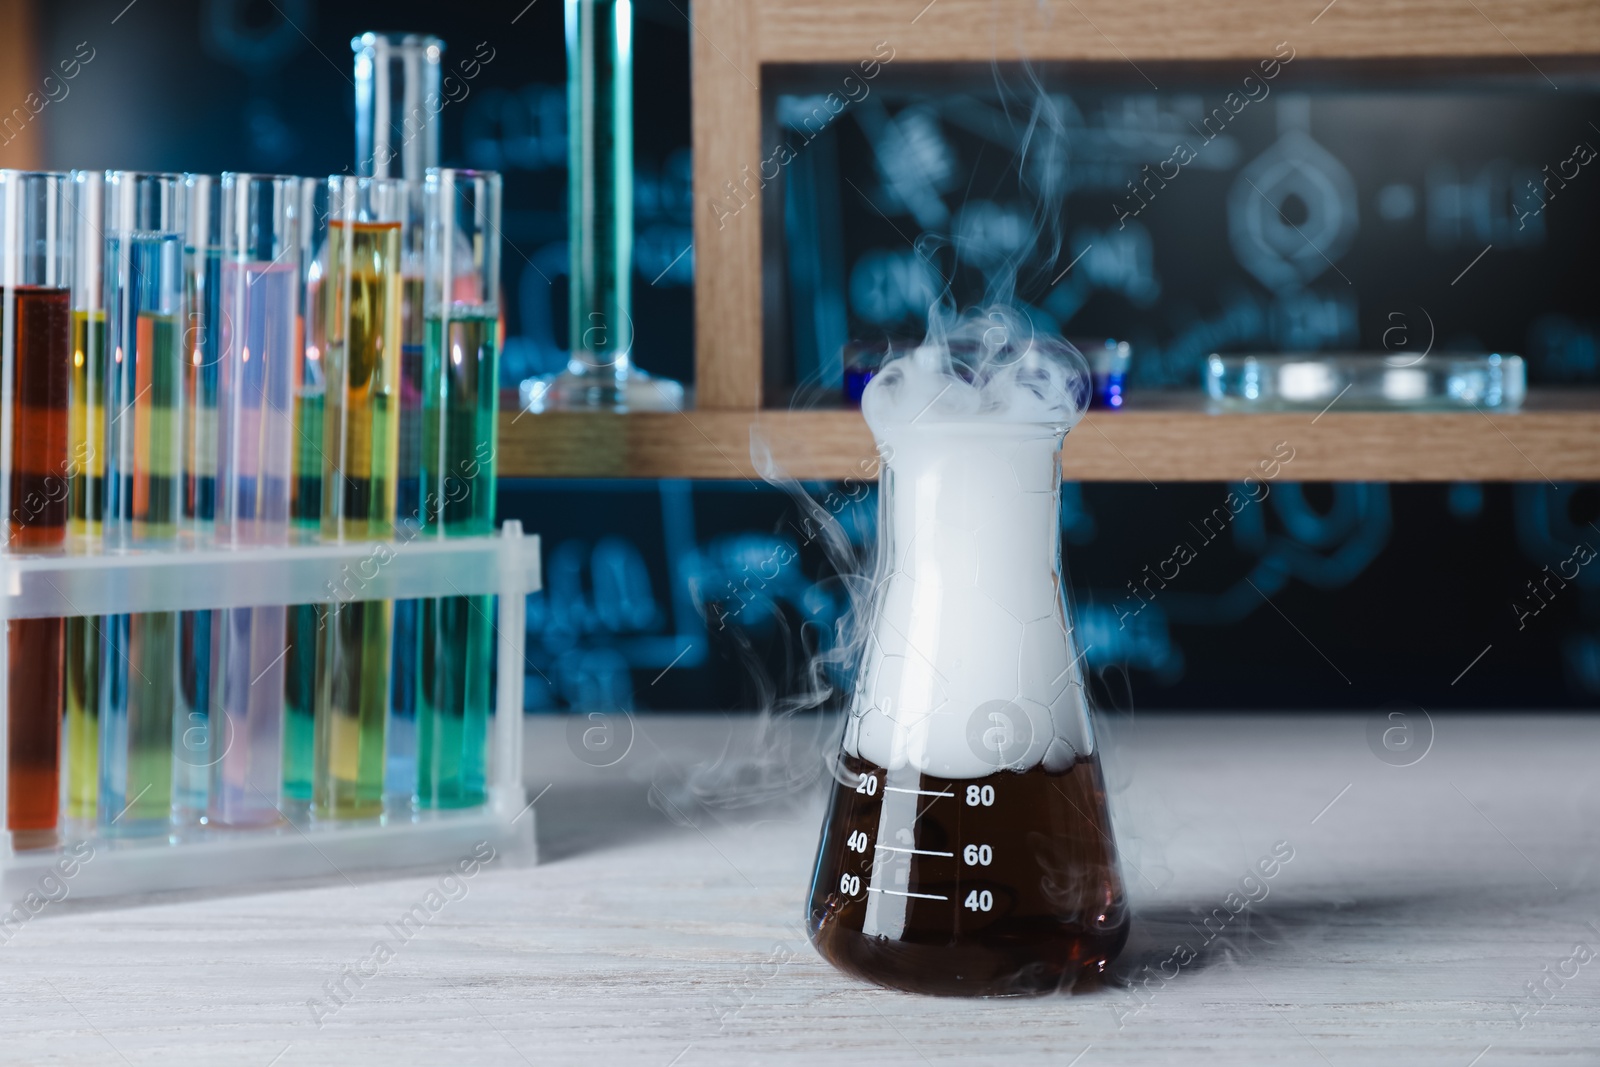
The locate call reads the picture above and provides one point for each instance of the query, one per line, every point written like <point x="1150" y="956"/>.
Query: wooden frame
<point x="1555" y="436"/>
<point x="733" y="42"/>
<point x="19" y="148"/>
<point x="733" y="39"/>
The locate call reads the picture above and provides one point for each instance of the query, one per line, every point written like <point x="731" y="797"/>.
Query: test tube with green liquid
<point x="139" y="691"/>
<point x="360" y="446"/>
<point x="460" y="375"/>
<point x="86" y="491"/>
<point x="304" y="622"/>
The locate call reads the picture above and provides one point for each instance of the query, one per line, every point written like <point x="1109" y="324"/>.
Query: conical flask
<point x="967" y="848"/>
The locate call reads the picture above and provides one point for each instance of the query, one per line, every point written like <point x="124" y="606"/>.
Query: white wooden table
<point x="1415" y="909"/>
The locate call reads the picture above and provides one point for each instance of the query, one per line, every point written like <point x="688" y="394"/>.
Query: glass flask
<point x="967" y="849"/>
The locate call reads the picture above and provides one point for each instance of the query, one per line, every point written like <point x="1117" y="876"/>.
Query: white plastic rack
<point x="112" y="583"/>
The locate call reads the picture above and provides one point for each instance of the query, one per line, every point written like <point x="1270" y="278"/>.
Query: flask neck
<point x="952" y="491"/>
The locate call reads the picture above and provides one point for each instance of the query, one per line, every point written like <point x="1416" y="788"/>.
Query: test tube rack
<point x="110" y="583"/>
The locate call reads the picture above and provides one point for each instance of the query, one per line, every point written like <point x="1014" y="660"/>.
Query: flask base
<point x="1038" y="961"/>
<point x="1004" y="885"/>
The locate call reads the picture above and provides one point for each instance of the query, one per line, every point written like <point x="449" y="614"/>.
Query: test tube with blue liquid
<point x="201" y="340"/>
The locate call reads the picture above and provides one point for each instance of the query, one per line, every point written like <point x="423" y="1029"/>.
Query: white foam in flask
<point x="970" y="665"/>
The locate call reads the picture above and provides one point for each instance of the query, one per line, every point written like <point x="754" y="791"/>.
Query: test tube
<point x="260" y="298"/>
<point x="144" y="231"/>
<point x="305" y="621"/>
<point x="362" y="301"/>
<point x="398" y="98"/>
<point x="36" y="357"/>
<point x="401" y="776"/>
<point x="201" y="342"/>
<point x="86" y="494"/>
<point x="460" y="407"/>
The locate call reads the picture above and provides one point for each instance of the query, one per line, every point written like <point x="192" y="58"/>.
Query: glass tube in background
<point x="305" y="621"/>
<point x="36" y="357"/>
<point x="86" y="495"/>
<point x="460" y="408"/>
<point x="259" y="304"/>
<point x="601" y="372"/>
<point x="201" y="343"/>
<point x="360" y="445"/>
<point x="139" y="689"/>
<point x="397" y="79"/>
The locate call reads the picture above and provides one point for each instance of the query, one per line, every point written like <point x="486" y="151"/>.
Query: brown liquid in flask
<point x="993" y="886"/>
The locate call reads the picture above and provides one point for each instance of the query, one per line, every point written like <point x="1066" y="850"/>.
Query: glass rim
<point x="370" y="38"/>
<point x="112" y="174"/>
<point x="433" y="173"/>
<point x="235" y="176"/>
<point x="334" y="180"/>
<point x="19" y="172"/>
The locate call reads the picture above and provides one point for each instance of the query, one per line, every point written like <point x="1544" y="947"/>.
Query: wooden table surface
<point x="1420" y="902"/>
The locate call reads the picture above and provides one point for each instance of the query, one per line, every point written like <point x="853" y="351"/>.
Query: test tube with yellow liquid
<point x="86" y="492"/>
<point x="360" y="455"/>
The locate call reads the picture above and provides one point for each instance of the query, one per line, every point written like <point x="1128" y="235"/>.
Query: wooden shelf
<point x="1162" y="438"/>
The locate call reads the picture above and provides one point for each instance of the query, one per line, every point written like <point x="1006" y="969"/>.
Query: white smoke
<point x="990" y="366"/>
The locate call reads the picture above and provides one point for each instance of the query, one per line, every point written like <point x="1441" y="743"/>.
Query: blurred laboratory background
<point x="704" y="595"/>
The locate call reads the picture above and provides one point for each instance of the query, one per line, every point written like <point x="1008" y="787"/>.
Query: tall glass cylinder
<point x="86" y="497"/>
<point x="460" y="411"/>
<point x="257" y="360"/>
<point x="600" y="170"/>
<point x="201" y="343"/>
<point x="397" y="78"/>
<point x="139" y="691"/>
<point x="308" y="382"/>
<point x="35" y="466"/>
<point x="600" y="371"/>
<point x="360" y="445"/>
